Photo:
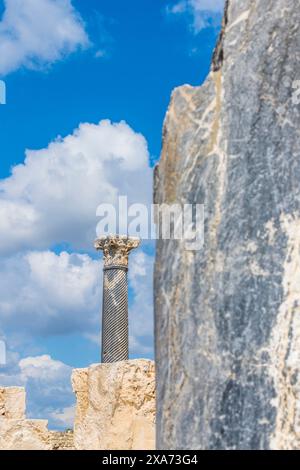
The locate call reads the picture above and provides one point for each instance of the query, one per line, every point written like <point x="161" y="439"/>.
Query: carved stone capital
<point x="116" y="249"/>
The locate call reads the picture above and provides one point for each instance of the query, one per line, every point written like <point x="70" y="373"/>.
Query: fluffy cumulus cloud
<point x="52" y="197"/>
<point x="64" y="417"/>
<point x="50" y="200"/>
<point x="47" y="383"/>
<point x="141" y="307"/>
<point x="37" y="33"/>
<point x="45" y="294"/>
<point x="42" y="293"/>
<point x="203" y="13"/>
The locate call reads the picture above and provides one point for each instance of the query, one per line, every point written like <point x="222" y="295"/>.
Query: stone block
<point x="12" y="402"/>
<point x="21" y="434"/>
<point x="115" y="406"/>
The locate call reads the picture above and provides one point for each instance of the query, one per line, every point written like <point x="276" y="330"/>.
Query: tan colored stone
<point x="12" y="402"/>
<point x="61" y="440"/>
<point x="17" y="432"/>
<point x="2" y="402"/>
<point x="115" y="406"/>
<point x="116" y="248"/>
<point x="23" y="434"/>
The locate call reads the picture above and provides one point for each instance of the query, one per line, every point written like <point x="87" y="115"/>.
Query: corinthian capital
<point x="116" y="249"/>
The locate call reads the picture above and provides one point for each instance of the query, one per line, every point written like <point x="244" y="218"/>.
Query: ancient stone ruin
<point x="227" y="316"/>
<point x="116" y="249"/>
<point x="115" y="399"/>
<point x="19" y="433"/>
<point x="115" y="410"/>
<point x="115" y="406"/>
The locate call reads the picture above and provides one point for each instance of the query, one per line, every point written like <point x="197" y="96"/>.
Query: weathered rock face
<point x="24" y="434"/>
<point x="115" y="406"/>
<point x="12" y="402"/>
<point x="61" y="440"/>
<point x="228" y="316"/>
<point x="17" y="432"/>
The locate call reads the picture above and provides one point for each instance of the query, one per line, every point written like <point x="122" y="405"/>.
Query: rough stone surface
<point x="115" y="406"/>
<point x="61" y="440"/>
<point x="12" y="402"/>
<point x="24" y="434"/>
<point x="228" y="316"/>
<point x="116" y="249"/>
<point x="17" y="432"/>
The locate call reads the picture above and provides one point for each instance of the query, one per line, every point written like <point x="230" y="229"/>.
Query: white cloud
<point x="48" y="390"/>
<point x="37" y="33"/>
<point x="42" y="368"/>
<point x="45" y="294"/>
<point x="52" y="197"/>
<point x="42" y="293"/>
<point x="64" y="417"/>
<point x="215" y="6"/>
<point x="100" y="53"/>
<point x="202" y="12"/>
<point x="141" y="308"/>
<point x="48" y="294"/>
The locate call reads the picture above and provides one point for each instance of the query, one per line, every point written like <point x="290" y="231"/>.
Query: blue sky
<point x="106" y="62"/>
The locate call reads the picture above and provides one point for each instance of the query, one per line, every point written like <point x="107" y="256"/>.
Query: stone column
<point x="116" y="249"/>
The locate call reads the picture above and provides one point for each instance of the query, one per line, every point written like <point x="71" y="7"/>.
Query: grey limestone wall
<point x="228" y="316"/>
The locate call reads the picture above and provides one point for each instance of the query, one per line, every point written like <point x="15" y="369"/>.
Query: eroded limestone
<point x="115" y="406"/>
